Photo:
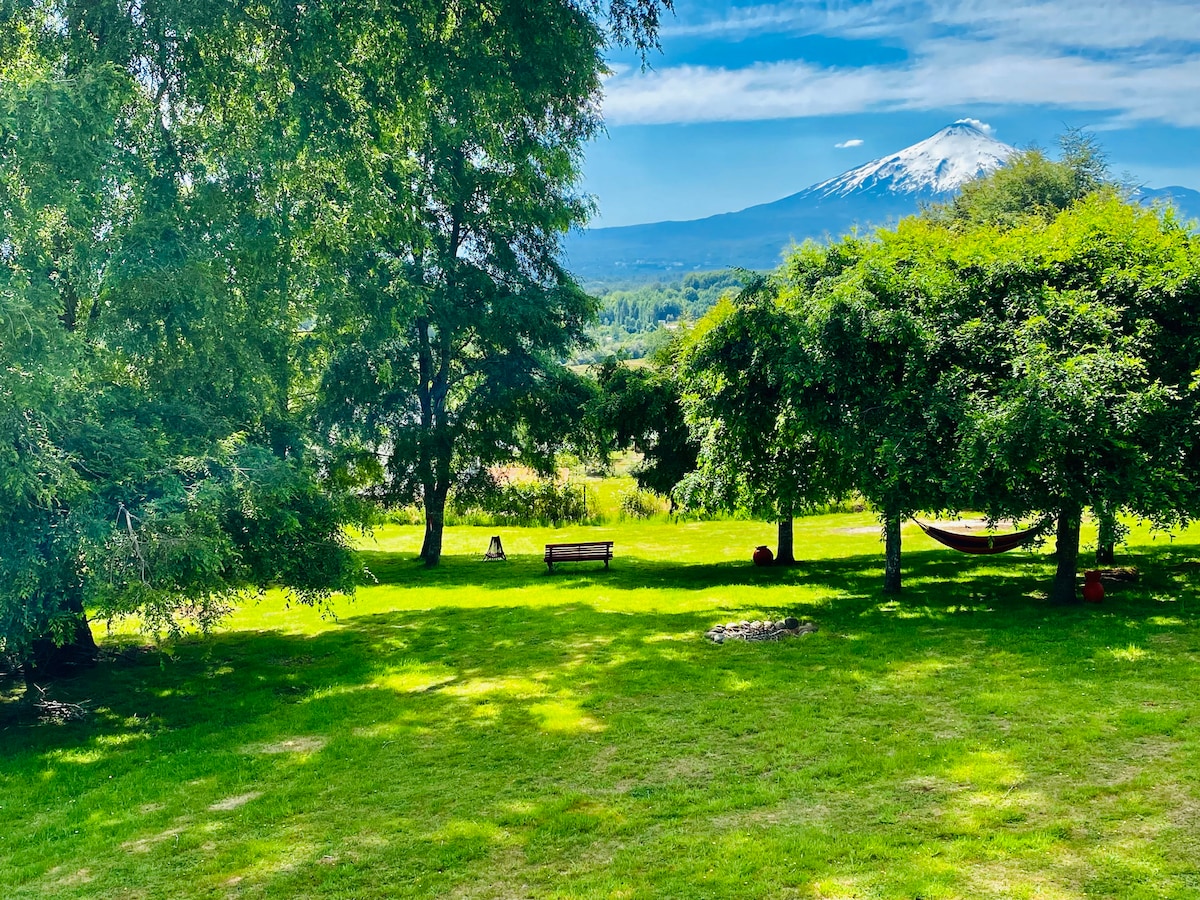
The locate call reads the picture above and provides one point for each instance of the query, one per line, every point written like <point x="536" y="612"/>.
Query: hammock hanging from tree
<point x="982" y="543"/>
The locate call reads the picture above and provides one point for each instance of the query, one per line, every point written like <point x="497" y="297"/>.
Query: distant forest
<point x="636" y="319"/>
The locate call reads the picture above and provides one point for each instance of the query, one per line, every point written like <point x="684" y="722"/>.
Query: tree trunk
<point x="1106" y="540"/>
<point x="31" y="687"/>
<point x="1065" y="591"/>
<point x="436" y="448"/>
<point x="786" y="555"/>
<point x="48" y="659"/>
<point x="891" y="566"/>
<point x="435" y="524"/>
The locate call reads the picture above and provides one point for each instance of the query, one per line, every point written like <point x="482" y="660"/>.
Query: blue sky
<point x="748" y="102"/>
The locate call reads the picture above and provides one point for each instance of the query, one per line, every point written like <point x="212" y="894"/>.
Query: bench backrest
<point x="583" y="550"/>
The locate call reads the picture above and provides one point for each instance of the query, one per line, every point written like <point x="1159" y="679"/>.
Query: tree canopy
<point x="150" y="297"/>
<point x="760" y="448"/>
<point x="447" y="358"/>
<point x="232" y="231"/>
<point x="1089" y="413"/>
<point x="1024" y="352"/>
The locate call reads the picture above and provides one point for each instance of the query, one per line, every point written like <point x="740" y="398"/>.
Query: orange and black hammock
<point x="981" y="543"/>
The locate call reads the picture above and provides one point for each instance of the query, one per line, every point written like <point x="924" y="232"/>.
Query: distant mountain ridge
<point x="877" y="193"/>
<point x="1185" y="200"/>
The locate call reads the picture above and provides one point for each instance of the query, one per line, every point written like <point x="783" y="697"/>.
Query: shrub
<point x="639" y="504"/>
<point x="531" y="503"/>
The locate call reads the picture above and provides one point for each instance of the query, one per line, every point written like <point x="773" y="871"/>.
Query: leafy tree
<point x="1096" y="405"/>
<point x="448" y="359"/>
<point x="1032" y="189"/>
<point x="884" y="373"/>
<point x="759" y="450"/>
<point x="639" y="408"/>
<point x="1030" y="185"/>
<point x="150" y="285"/>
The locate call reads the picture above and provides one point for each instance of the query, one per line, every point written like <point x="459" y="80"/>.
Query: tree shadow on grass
<point x="439" y="747"/>
<point x="253" y="671"/>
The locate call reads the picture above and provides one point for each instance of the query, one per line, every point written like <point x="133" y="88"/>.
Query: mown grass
<point x="486" y="730"/>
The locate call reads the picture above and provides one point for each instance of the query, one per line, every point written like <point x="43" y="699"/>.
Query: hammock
<point x="982" y="543"/>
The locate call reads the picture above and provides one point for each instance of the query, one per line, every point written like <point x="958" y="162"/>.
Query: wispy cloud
<point x="853" y="142"/>
<point x="1097" y="24"/>
<point x="975" y="123"/>
<point x="804" y="17"/>
<point x="1076" y="24"/>
<point x="1161" y="91"/>
<point x="1126" y="62"/>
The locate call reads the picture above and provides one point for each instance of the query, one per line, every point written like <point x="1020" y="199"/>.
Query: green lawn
<point x="486" y="731"/>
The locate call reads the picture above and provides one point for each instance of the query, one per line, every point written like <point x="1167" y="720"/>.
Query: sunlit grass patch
<point x="1131" y="653"/>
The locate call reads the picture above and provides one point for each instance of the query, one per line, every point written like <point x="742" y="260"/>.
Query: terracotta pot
<point x="763" y="556"/>
<point x="1093" y="590"/>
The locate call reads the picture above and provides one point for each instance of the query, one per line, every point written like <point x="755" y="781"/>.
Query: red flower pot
<point x="1093" y="590"/>
<point x="763" y="556"/>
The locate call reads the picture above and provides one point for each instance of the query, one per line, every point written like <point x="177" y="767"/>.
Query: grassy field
<point x="484" y="730"/>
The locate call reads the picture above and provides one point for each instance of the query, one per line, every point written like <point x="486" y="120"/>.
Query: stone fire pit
<point x="759" y="631"/>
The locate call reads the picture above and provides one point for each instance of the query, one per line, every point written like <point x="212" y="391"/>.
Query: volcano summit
<point x="873" y="194"/>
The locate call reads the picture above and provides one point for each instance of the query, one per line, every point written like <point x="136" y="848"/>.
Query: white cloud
<point x="796" y="18"/>
<point x="1126" y="62"/>
<point x="1153" y="82"/>
<point x="853" y="142"/>
<point x="1063" y="23"/>
<point x="1076" y="24"/>
<point x="762" y="91"/>
<point x="975" y="123"/>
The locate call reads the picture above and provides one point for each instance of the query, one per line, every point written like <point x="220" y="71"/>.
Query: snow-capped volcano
<point x="877" y="193"/>
<point x="937" y="165"/>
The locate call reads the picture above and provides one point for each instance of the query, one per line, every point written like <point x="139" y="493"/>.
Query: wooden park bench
<point x="579" y="552"/>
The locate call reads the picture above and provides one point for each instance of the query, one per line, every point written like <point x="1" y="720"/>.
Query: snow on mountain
<point x="940" y="164"/>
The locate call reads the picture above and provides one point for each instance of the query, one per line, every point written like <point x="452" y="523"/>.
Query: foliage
<point x="638" y="504"/>
<point x="635" y="322"/>
<point x="151" y="300"/>
<point x="1022" y="365"/>
<point x="1031" y="186"/>
<point x="881" y="371"/>
<point x="530" y="503"/>
<point x="760" y="449"/>
<point x="1091" y="412"/>
<point x="448" y="358"/>
<point x="639" y="409"/>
